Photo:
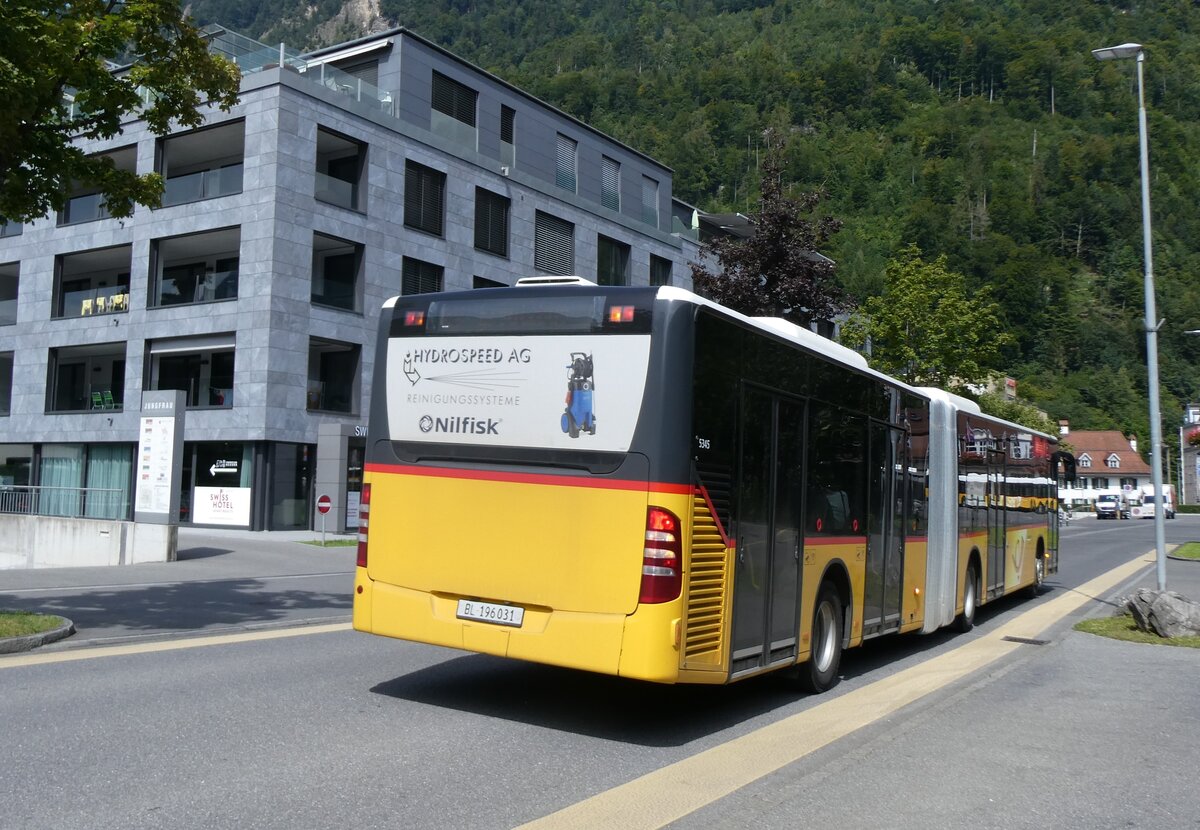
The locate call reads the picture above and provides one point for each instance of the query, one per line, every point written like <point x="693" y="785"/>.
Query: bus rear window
<point x="534" y="315"/>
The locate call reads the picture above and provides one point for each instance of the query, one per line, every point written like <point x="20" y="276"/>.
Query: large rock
<point x="1165" y="613"/>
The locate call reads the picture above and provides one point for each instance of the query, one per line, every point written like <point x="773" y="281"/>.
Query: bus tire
<point x="820" y="671"/>
<point x="966" y="620"/>
<point x="1039" y="578"/>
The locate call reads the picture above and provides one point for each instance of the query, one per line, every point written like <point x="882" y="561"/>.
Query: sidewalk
<point x="222" y="579"/>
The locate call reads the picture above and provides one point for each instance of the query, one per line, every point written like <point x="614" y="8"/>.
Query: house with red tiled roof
<point x="1106" y="461"/>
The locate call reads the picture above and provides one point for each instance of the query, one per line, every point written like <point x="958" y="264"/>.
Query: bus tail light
<point x="662" y="557"/>
<point x="364" y="513"/>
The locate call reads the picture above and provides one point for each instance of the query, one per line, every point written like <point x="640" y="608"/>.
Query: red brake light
<point x="414" y="318"/>
<point x="620" y="314"/>
<point x="364" y="512"/>
<point x="662" y="557"/>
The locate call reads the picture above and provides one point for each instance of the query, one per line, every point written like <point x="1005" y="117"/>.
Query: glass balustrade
<point x="203" y="184"/>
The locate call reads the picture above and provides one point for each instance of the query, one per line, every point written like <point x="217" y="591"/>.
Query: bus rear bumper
<point x="571" y="639"/>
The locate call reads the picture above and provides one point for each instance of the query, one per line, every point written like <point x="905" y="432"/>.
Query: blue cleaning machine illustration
<point x="579" y="415"/>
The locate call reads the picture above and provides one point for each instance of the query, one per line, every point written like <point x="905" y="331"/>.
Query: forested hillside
<point x="982" y="130"/>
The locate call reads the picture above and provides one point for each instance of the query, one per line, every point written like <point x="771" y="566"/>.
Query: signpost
<point x="324" y="503"/>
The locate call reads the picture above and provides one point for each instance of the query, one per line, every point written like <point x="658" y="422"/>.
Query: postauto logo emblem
<point x="460" y="425"/>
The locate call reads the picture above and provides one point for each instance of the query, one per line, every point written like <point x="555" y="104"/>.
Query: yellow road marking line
<point x="31" y="659"/>
<point x="665" y="795"/>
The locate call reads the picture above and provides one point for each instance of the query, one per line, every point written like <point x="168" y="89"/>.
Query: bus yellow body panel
<point x="558" y="547"/>
<point x="574" y="568"/>
<point x="912" y="601"/>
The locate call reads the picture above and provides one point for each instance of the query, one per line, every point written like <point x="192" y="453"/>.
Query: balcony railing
<point x="87" y="208"/>
<point x="70" y="502"/>
<point x="335" y="191"/>
<point x="203" y="184"/>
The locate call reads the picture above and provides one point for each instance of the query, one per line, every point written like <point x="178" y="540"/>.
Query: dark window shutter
<point x="610" y="183"/>
<point x="420" y="277"/>
<point x="564" y="163"/>
<point x="553" y="245"/>
<point x="491" y="222"/>
<point x="454" y="99"/>
<point x="507" y="116"/>
<point x="424" y="198"/>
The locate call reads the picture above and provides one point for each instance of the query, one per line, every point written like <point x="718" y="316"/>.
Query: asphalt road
<point x="343" y="729"/>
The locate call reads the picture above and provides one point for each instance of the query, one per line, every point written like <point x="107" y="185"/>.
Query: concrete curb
<point x="12" y="645"/>
<point x="1182" y="559"/>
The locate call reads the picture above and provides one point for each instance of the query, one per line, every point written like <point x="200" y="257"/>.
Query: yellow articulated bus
<point x="638" y="482"/>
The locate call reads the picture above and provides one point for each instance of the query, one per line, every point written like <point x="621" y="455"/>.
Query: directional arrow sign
<point x="219" y="467"/>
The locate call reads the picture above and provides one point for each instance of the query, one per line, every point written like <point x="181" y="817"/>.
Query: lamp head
<point x="1112" y="53"/>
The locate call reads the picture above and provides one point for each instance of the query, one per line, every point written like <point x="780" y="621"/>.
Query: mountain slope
<point x="985" y="131"/>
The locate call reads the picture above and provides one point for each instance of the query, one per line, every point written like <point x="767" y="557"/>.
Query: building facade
<point x="1106" y="461"/>
<point x="343" y="177"/>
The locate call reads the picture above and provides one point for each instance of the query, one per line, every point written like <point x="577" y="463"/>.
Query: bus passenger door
<point x="769" y="488"/>
<point x="996" y="521"/>
<point x="885" y="530"/>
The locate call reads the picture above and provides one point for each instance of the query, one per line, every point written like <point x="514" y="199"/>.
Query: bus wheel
<point x="1039" y="577"/>
<point x="821" y="670"/>
<point x="966" y="620"/>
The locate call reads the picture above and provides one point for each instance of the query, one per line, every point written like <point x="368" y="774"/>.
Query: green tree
<point x="51" y="50"/>
<point x="778" y="271"/>
<point x="1020" y="412"/>
<point x="926" y="329"/>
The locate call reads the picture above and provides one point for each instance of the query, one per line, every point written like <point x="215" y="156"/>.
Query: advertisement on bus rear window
<point x="567" y="392"/>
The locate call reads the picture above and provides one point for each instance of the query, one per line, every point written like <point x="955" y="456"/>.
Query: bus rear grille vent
<point x="706" y="589"/>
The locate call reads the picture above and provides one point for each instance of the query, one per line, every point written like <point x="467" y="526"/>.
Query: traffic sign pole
<point x="323" y="505"/>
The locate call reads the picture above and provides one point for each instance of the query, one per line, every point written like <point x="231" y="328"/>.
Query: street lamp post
<point x="1123" y="52"/>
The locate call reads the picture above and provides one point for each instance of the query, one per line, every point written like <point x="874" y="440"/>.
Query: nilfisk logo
<point x="460" y="425"/>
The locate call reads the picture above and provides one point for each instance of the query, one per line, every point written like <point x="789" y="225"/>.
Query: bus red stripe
<point x="530" y="478"/>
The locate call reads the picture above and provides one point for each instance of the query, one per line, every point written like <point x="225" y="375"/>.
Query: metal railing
<point x="69" y="502"/>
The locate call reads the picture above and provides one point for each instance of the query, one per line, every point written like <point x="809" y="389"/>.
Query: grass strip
<point x="24" y="623"/>
<point x="1122" y="627"/>
<point x="1188" y="550"/>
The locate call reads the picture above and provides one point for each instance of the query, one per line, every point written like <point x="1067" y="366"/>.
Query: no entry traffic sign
<point x="324" y="503"/>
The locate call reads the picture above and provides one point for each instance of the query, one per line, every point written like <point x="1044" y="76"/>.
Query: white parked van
<point x="1143" y="505"/>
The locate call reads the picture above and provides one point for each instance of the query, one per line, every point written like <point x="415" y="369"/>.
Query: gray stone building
<point x="381" y="166"/>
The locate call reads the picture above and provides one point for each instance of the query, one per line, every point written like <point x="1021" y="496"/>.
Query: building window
<point x="1129" y="482"/>
<point x="610" y="183"/>
<point x="453" y="114"/>
<point x="10" y="279"/>
<point x="420" y="277"/>
<point x="660" y="270"/>
<point x="92" y="282"/>
<point x="197" y="268"/>
<point x="202" y="164"/>
<point x="1084" y="460"/>
<point x="1114" y="462"/>
<point x="200" y="366"/>
<point x="424" y="198"/>
<point x="86" y="203"/>
<point x="649" y="201"/>
<point x="564" y="163"/>
<point x="337" y="272"/>
<point x="86" y="378"/>
<point x="491" y="222"/>
<point x="333" y="369"/>
<point x="612" y="262"/>
<point x="6" y="372"/>
<point x="10" y="228"/>
<point x="508" y="147"/>
<point x="1100" y="483"/>
<point x="553" y="245"/>
<point x="484" y="282"/>
<point x="341" y="171"/>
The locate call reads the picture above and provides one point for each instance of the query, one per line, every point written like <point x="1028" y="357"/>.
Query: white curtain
<point x="109" y="467"/>
<point x="60" y="477"/>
